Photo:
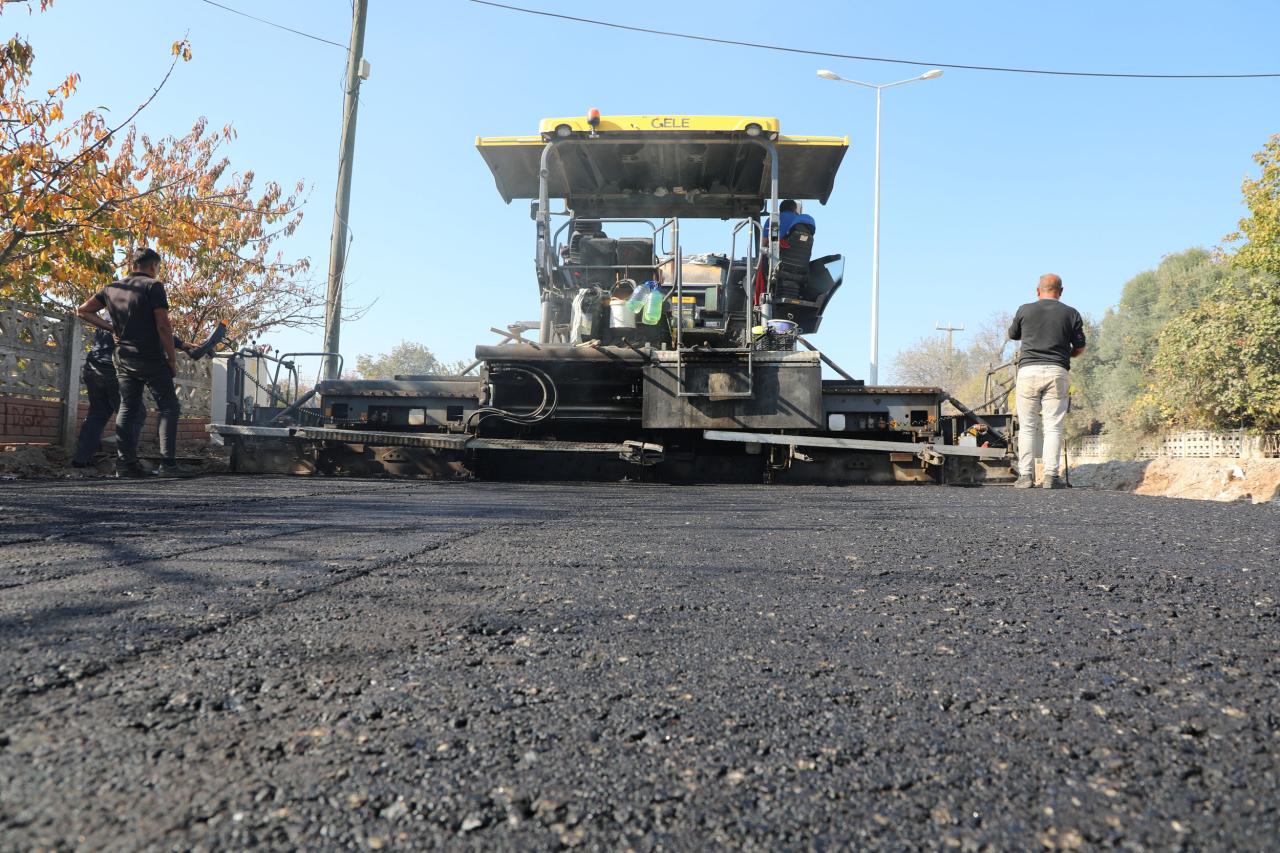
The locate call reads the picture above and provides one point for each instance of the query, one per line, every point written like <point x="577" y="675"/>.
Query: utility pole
<point x="357" y="70"/>
<point x="950" y="330"/>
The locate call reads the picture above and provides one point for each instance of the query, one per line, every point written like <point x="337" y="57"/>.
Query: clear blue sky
<point x="988" y="179"/>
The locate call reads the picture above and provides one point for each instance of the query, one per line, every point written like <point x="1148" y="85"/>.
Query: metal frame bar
<point x="236" y="371"/>
<point x="854" y="444"/>
<point x="545" y="249"/>
<point x="237" y="374"/>
<point x="435" y="441"/>
<point x="825" y="360"/>
<point x="748" y="278"/>
<point x="555" y="239"/>
<point x="288" y="359"/>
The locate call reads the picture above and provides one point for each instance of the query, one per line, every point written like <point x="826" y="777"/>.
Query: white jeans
<point x="1043" y="391"/>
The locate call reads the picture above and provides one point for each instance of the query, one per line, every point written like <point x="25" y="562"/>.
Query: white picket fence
<point x="1190" y="444"/>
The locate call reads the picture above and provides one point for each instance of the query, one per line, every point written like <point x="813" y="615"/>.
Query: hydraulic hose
<point x="545" y="408"/>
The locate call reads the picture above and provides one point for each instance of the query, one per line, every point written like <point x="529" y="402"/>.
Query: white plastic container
<point x="620" y="316"/>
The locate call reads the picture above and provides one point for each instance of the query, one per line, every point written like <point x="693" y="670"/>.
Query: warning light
<point x="593" y="118"/>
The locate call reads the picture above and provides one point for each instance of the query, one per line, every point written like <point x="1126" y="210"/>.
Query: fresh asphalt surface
<point x="233" y="662"/>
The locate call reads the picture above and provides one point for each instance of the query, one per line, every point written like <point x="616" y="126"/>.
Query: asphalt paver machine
<point x="649" y="358"/>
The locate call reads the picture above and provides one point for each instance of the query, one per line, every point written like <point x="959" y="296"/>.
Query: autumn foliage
<point x="76" y="192"/>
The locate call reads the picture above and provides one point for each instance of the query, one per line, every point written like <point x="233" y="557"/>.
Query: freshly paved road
<point x="233" y="662"/>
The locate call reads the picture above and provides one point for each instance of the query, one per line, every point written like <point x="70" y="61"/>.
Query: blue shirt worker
<point x="789" y="216"/>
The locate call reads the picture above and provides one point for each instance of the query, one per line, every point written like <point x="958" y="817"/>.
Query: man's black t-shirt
<point x="132" y="303"/>
<point x="1049" y="331"/>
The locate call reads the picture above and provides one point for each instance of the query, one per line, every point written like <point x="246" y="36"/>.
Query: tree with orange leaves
<point x="76" y="193"/>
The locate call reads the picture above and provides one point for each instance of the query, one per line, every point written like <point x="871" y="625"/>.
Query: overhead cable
<point x="274" y="24"/>
<point x="808" y="52"/>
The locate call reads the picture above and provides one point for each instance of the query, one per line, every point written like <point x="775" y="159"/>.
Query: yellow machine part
<point x="669" y="165"/>
<point x="662" y="123"/>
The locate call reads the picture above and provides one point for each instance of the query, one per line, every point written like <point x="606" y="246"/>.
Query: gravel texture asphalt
<point x="236" y="662"/>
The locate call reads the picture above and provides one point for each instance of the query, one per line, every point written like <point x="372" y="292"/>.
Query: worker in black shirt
<point x="145" y="357"/>
<point x="1052" y="333"/>
<point x="103" y="389"/>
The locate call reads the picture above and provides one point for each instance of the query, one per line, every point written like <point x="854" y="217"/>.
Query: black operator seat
<point x="592" y="255"/>
<point x="580" y="230"/>
<point x="793" y="261"/>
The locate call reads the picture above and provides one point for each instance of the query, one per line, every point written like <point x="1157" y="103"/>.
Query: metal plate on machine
<point x="709" y="390"/>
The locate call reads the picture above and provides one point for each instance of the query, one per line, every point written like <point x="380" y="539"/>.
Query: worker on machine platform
<point x="789" y="216"/>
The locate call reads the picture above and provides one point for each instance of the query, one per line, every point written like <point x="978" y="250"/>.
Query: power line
<point x="807" y="52"/>
<point x="274" y="24"/>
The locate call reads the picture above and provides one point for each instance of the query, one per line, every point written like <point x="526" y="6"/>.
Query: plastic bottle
<point x="635" y="302"/>
<point x="653" y="304"/>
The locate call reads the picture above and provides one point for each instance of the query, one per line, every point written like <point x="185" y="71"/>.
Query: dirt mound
<point x="1114" y="476"/>
<point x="1256" y="480"/>
<point x="36" y="461"/>
<point x="29" y="460"/>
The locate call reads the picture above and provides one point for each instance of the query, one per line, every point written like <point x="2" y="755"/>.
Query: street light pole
<point x="874" y="373"/>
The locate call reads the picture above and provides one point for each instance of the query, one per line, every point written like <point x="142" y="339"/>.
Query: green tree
<point x="1218" y="364"/>
<point x="1259" y="233"/>
<point x="1115" y="371"/>
<point x="404" y="359"/>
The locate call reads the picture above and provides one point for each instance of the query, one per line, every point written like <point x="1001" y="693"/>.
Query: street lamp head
<point x="828" y="75"/>
<point x="928" y="75"/>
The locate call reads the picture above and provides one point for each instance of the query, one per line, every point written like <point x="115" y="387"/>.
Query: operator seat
<point x="793" y="261"/>
<point x="582" y="229"/>
<point x="591" y="257"/>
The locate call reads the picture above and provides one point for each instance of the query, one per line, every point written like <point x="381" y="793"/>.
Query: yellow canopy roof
<point x="691" y="166"/>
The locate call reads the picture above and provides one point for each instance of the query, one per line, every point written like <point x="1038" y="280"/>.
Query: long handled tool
<point x="197" y="353"/>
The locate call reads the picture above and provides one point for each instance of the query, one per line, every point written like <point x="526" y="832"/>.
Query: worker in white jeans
<point x="1042" y="407"/>
<point x="1052" y="333"/>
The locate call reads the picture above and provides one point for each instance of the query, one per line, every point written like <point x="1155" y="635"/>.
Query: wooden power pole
<point x="357" y="70"/>
<point x="950" y="329"/>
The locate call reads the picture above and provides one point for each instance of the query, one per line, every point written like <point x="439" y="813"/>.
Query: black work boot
<point x="131" y="472"/>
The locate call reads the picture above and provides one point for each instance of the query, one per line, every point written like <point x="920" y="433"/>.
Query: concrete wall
<point x="41" y="351"/>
